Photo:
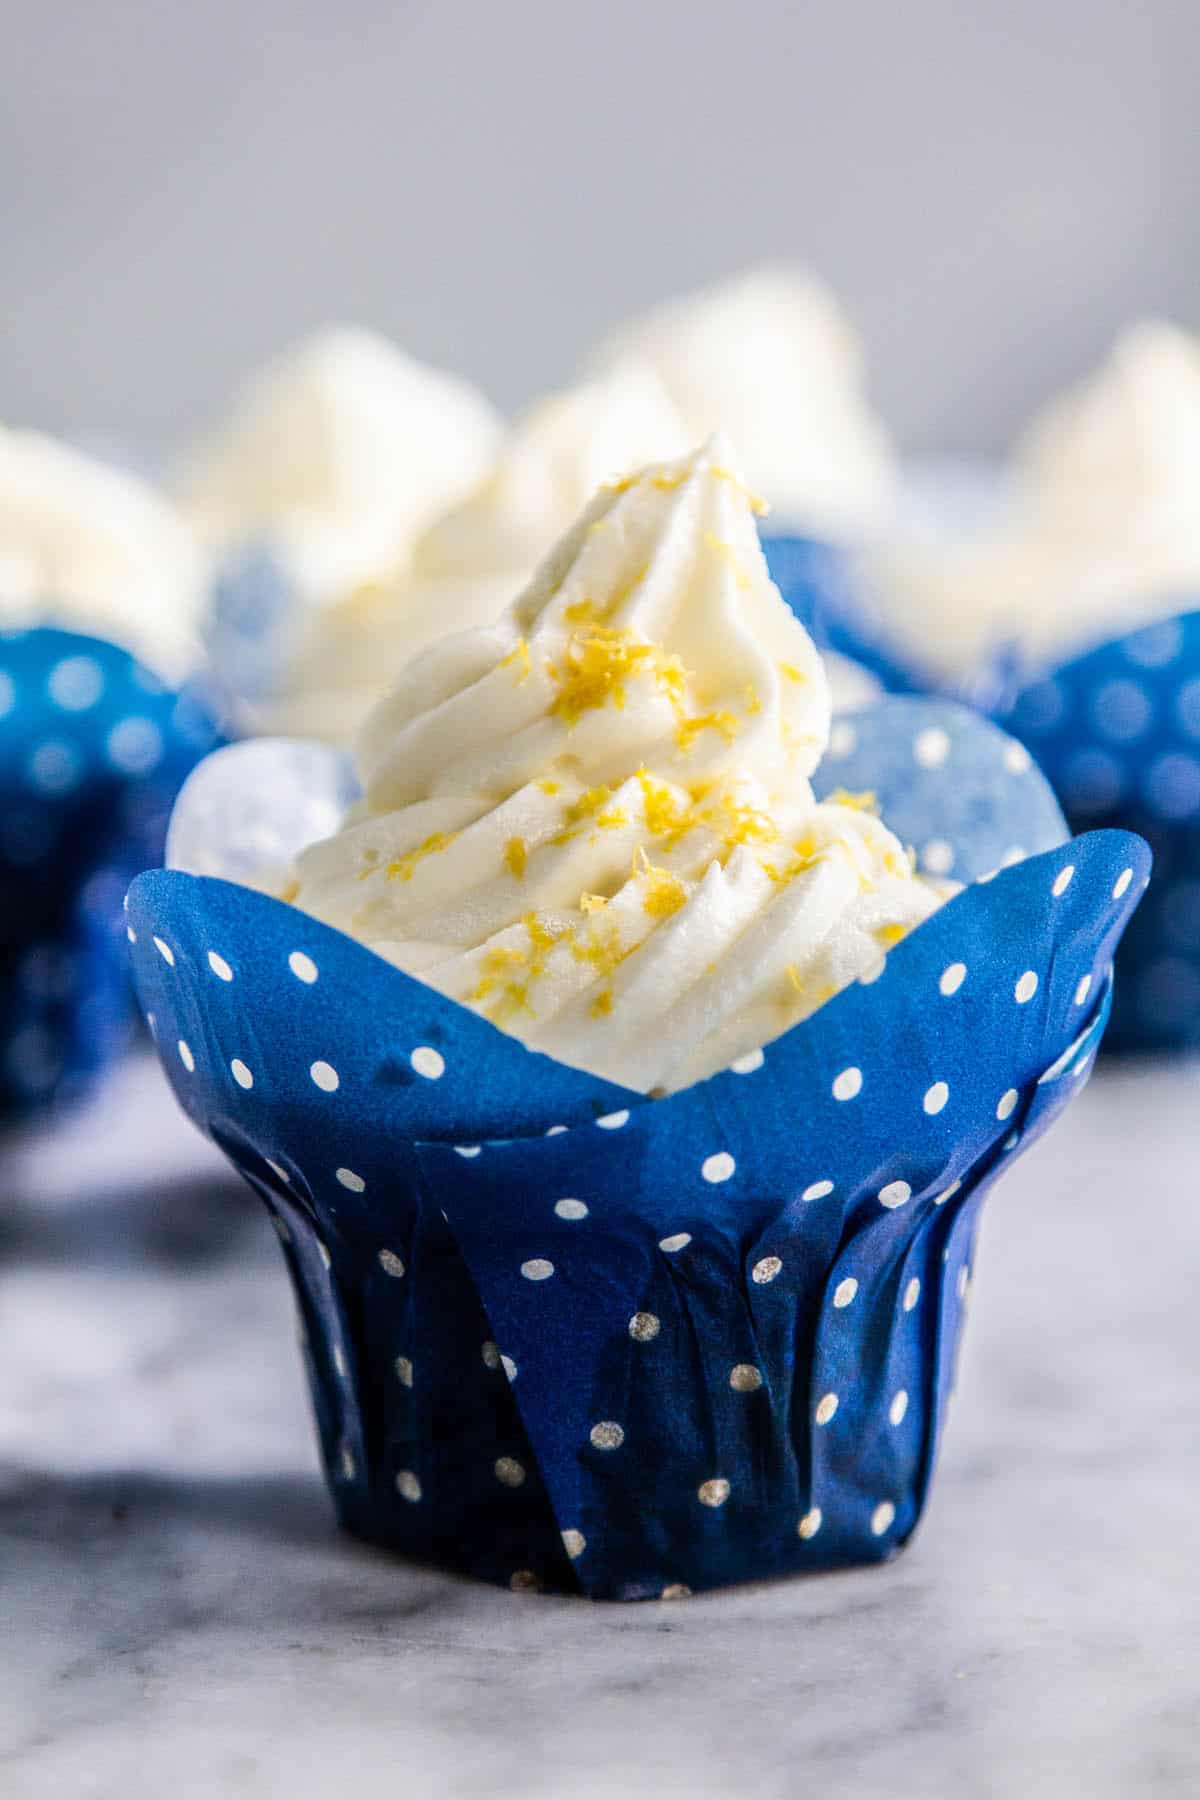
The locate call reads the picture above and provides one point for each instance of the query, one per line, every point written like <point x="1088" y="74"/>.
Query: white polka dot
<point x="408" y="1486"/>
<point x="1121" y="884"/>
<point x="165" y="951"/>
<point x="1026" y="987"/>
<point x="537" y="1269"/>
<point x="278" y="1169"/>
<point x="467" y="1150"/>
<point x="817" y="1190"/>
<point x="931" y="747"/>
<point x="348" y="1465"/>
<point x="54" y="767"/>
<point x="845" y="1291"/>
<point x="135" y="746"/>
<point x="326" y="1077"/>
<point x="607" y="1435"/>
<point x="952" y="978"/>
<point x="508" y="1368"/>
<point x="613" y="1121"/>
<point x="76" y="683"/>
<point x="1007" y="1104"/>
<point x="810" y="1524"/>
<point x="843" y="739"/>
<point x="428" y="1062"/>
<point x="912" y="1294"/>
<point x="964" y="1277"/>
<point x="509" y="1472"/>
<point x="186" y="1057"/>
<point x="848" y="1084"/>
<point x="1187" y="707"/>
<point x="571" y="1209"/>
<point x="303" y="967"/>
<point x="219" y="966"/>
<point x="676" y="1590"/>
<point x="714" y="1492"/>
<point x="1083" y="990"/>
<point x="896" y="1193"/>
<point x="555" y="1130"/>
<point x="524" y="1581"/>
<point x="404" y="1371"/>
<point x="766" y="1269"/>
<point x="574" y="1543"/>
<point x="718" y="1167"/>
<point x="339" y="1355"/>
<point x="1062" y="880"/>
<point x="490" y="1355"/>
<point x="350" y="1180"/>
<point x="391" y="1264"/>
<point x="899" y="1407"/>
<point x="746" y="1065"/>
<point x="937" y="857"/>
<point x="8" y="693"/>
<point x="1154" y="646"/>
<point x="1016" y="758"/>
<point x="947" y="1193"/>
<point x="1121" y="709"/>
<point x="936" y="1097"/>
<point x="241" y="1073"/>
<point x="882" y="1517"/>
<point x="827" y="1405"/>
<point x="744" y="1378"/>
<point x="644" y="1327"/>
<point x="322" y="1248"/>
<point x="678" y="1241"/>
<point x="131" y="934"/>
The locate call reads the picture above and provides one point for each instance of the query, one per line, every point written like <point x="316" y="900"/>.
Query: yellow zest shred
<point x="792" y="672"/>
<point x="518" y="657"/>
<point x="516" y="856"/>
<point x="592" y="903"/>
<point x="753" y="500"/>
<point x="550" y="787"/>
<point x="401" y="868"/>
<point x="598" y="664"/>
<point x="688" y="730"/>
<point x="891" y="934"/>
<point x="602" y="1005"/>
<point x="866" y="801"/>
<point x="663" y="893"/>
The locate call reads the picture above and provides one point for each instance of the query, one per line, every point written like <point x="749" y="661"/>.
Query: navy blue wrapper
<point x="93" y="750"/>
<point x="562" y="1335"/>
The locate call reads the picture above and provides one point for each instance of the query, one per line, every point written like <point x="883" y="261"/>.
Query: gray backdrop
<point x="992" y="186"/>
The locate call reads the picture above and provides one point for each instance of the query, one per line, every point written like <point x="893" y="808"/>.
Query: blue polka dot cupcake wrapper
<point x="93" y="750"/>
<point x="560" y="1335"/>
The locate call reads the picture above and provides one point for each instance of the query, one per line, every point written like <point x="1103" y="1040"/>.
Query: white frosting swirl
<point x="339" y="453"/>
<point x="93" y="548"/>
<point x="472" y="560"/>
<point x="592" y="819"/>
<point x="769" y="358"/>
<point x="1103" y="532"/>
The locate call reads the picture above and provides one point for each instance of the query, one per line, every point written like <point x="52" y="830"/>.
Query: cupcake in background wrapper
<point x="101" y="719"/>
<point x="561" y="1333"/>
<point x="333" y="461"/>
<point x="1062" y="600"/>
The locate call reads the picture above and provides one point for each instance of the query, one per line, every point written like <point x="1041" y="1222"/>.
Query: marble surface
<point x="181" y="1618"/>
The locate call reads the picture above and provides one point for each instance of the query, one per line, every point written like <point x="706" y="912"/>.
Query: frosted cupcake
<point x="333" y="460"/>
<point x="1080" y="589"/>
<point x="631" y="1256"/>
<point x="100" y="595"/>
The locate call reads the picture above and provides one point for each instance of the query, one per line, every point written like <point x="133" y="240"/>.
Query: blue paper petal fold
<point x="560" y="1334"/>
<point x="93" y="750"/>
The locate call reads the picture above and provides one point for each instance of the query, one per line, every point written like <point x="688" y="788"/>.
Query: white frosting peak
<point x="340" y="452"/>
<point x="592" y="819"/>
<point x="93" y="548"/>
<point x="769" y="357"/>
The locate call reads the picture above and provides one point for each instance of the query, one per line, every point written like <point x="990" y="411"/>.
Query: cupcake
<point x="631" y="1256"/>
<point x="100" y="596"/>
<point x="333" y="460"/>
<point x="1064" y="600"/>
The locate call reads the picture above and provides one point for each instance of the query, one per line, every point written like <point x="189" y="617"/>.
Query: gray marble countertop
<point x="181" y="1618"/>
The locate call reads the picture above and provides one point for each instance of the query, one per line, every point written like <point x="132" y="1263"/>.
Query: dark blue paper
<point x="93" y="750"/>
<point x="562" y="1335"/>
